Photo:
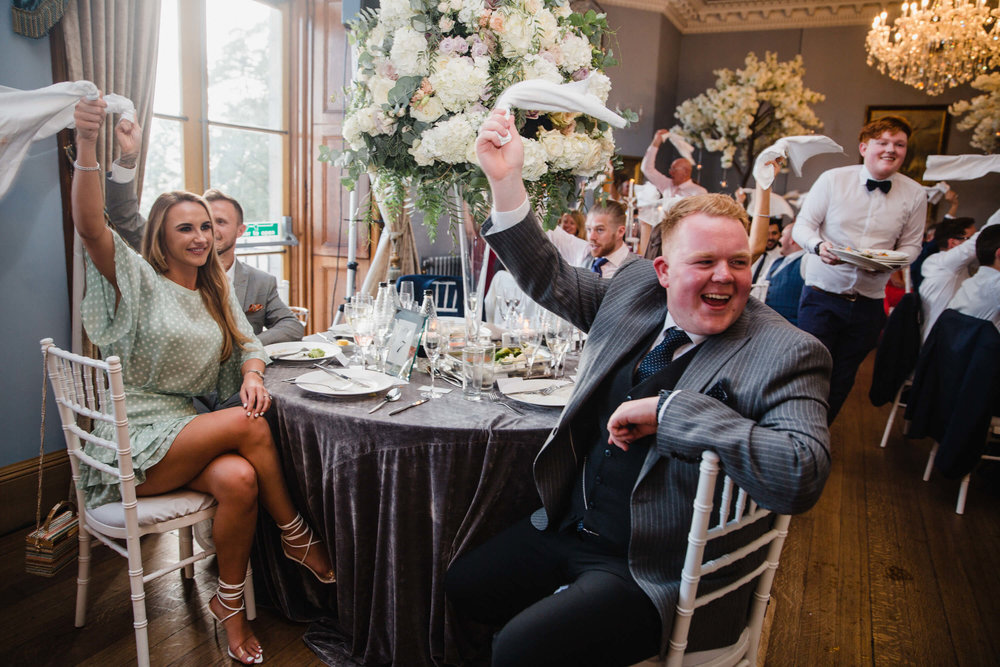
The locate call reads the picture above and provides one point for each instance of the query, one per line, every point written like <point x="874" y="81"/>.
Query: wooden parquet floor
<point x="881" y="572"/>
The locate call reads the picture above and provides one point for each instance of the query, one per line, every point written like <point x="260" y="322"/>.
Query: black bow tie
<point x="881" y="185"/>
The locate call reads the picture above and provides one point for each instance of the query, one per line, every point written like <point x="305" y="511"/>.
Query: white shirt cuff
<point x="506" y="219"/>
<point x="120" y="174"/>
<point x="666" y="402"/>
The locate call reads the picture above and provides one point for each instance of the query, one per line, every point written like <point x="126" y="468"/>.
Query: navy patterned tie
<point x="661" y="355"/>
<point x="598" y="263"/>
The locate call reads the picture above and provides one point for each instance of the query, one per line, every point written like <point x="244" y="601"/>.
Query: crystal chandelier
<point x="936" y="44"/>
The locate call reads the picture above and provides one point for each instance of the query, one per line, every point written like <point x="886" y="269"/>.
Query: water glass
<point x="406" y="297"/>
<point x="474" y="362"/>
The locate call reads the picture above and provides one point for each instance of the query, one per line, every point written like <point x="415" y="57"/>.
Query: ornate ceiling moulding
<point x="708" y="16"/>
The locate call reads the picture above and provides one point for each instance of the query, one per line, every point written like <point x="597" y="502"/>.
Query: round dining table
<point x="396" y="498"/>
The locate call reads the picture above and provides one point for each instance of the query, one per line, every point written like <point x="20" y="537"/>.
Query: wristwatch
<point x="816" y="247"/>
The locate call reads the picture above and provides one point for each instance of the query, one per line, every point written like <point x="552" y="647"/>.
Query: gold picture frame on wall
<point x="930" y="132"/>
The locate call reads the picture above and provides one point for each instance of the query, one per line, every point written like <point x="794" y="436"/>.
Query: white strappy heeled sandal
<point x="233" y="593"/>
<point x="295" y="530"/>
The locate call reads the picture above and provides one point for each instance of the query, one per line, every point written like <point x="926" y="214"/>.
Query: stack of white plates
<point x="872" y="259"/>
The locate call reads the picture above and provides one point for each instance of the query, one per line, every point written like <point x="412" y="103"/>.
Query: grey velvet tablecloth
<point x="397" y="498"/>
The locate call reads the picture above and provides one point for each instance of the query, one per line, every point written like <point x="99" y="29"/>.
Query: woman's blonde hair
<point x="211" y="283"/>
<point x="581" y="223"/>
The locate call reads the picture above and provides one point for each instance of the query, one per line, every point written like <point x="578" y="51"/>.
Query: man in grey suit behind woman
<point x="592" y="578"/>
<point x="256" y="290"/>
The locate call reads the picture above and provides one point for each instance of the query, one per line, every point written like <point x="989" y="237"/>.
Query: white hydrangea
<point x="470" y="11"/>
<point x="576" y="53"/>
<point x="353" y="131"/>
<point x="536" y="67"/>
<point x="448" y="141"/>
<point x="535" y="165"/>
<point x="409" y="52"/>
<point x="376" y="38"/>
<point x="459" y="82"/>
<point x="599" y="86"/>
<point x="395" y="14"/>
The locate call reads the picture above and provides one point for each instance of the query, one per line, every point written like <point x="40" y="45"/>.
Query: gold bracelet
<point x="254" y="370"/>
<point x="80" y="167"/>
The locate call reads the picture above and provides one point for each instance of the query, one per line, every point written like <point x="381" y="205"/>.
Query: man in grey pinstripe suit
<point x="592" y="578"/>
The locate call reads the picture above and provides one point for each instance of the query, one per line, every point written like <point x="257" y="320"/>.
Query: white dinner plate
<point x="292" y="348"/>
<point x="321" y="382"/>
<point x="557" y="399"/>
<point x="862" y="261"/>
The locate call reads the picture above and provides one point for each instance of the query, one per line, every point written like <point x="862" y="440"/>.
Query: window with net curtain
<point x="243" y="144"/>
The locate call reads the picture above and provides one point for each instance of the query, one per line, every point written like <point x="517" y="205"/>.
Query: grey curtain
<point x="112" y="43"/>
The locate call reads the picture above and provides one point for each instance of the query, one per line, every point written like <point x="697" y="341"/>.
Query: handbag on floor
<point x="52" y="545"/>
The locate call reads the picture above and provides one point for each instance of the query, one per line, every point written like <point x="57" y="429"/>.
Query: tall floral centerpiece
<point x="982" y="114"/>
<point x="429" y="71"/>
<point x="748" y="110"/>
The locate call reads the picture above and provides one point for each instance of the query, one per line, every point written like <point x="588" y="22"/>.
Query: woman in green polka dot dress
<point x="173" y="319"/>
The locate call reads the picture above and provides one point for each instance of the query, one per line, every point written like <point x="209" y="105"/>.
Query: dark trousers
<point x="599" y="616"/>
<point x="849" y="329"/>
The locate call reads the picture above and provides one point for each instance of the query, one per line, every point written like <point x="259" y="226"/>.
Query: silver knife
<point x="407" y="407"/>
<point x="360" y="383"/>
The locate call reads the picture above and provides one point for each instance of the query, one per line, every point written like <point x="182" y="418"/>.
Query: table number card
<point x="404" y="338"/>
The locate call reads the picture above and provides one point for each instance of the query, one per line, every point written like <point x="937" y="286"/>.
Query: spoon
<point x="391" y="396"/>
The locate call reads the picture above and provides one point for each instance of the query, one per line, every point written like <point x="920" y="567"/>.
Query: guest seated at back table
<point x="946" y="270"/>
<point x="173" y="319"/>
<point x="592" y="578"/>
<point x="785" y="278"/>
<point x="979" y="296"/>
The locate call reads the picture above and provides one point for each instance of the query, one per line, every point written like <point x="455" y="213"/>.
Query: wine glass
<point x="406" y="298"/>
<point x="432" y="341"/>
<point x="362" y="326"/>
<point x="531" y="338"/>
<point x="513" y="304"/>
<point x="558" y="333"/>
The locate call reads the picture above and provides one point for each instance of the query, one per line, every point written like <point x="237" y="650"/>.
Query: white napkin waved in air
<point x="542" y="95"/>
<point x="936" y="192"/>
<point x="960" y="167"/>
<point x="797" y="150"/>
<point x="652" y="204"/>
<point x="31" y="115"/>
<point x="685" y="149"/>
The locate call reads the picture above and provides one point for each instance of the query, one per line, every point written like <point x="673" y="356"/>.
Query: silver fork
<point x="544" y="391"/>
<point x="496" y="397"/>
<point x="284" y="355"/>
